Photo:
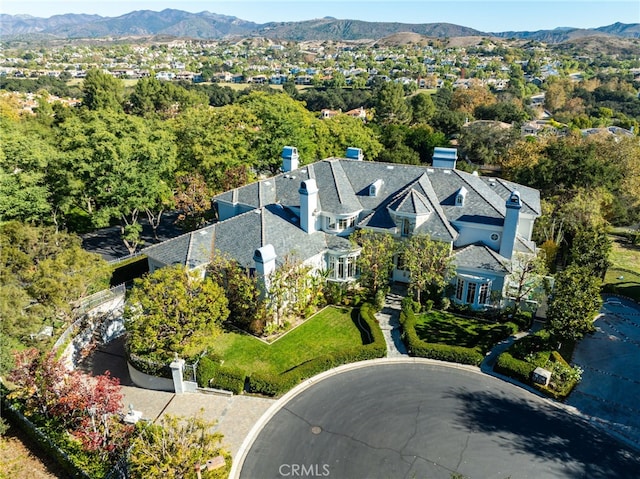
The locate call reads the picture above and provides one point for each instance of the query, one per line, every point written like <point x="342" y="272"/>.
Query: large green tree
<point x="574" y="304"/>
<point x="43" y="276"/>
<point x="391" y="105"/>
<point x="590" y="249"/>
<point x="375" y="261"/>
<point x="102" y="91"/>
<point x="25" y="153"/>
<point x="429" y="264"/>
<point x="114" y="167"/>
<point x="173" y="310"/>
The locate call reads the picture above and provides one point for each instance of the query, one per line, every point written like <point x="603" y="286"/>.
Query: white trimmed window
<point x="342" y="268"/>
<point x="473" y="290"/>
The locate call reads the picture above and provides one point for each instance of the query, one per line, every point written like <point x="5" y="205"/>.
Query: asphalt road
<point x="430" y="421"/>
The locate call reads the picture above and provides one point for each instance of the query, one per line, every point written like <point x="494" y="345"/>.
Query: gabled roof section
<point x="410" y="202"/>
<point x="335" y="191"/>
<point x="479" y="256"/>
<point x="172" y="251"/>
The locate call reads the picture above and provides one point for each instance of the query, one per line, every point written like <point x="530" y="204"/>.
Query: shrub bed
<point x="522" y="358"/>
<point x="150" y="367"/>
<point x="443" y="352"/>
<point x="514" y="368"/>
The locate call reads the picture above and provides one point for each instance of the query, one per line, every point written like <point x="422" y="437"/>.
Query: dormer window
<point x="375" y="187"/>
<point x="461" y="196"/>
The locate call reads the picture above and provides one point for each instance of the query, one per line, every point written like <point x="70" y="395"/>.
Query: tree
<point x="173" y="310"/>
<point x="114" y="166"/>
<point x="422" y="108"/>
<point x="390" y="104"/>
<point x="465" y="100"/>
<point x="175" y="447"/>
<point x="429" y="264"/>
<point x="211" y="141"/>
<point x="590" y="249"/>
<point x="526" y="280"/>
<point x="192" y="198"/>
<point x="43" y="275"/>
<point x="484" y="143"/>
<point x="575" y="302"/>
<point x="25" y="153"/>
<point x="84" y="406"/>
<point x="375" y="261"/>
<point x="423" y="139"/>
<point x="245" y="302"/>
<point x="102" y="91"/>
<point x="166" y="99"/>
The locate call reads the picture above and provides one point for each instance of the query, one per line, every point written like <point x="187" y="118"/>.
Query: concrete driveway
<point x="610" y="388"/>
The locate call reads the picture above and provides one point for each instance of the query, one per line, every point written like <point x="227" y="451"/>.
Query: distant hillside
<point x="558" y="35"/>
<point x="206" y="25"/>
<point x="333" y="29"/>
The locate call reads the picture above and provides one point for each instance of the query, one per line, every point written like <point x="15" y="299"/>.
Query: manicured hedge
<point x="514" y="368"/>
<point x="229" y="379"/>
<point x="271" y="384"/>
<point x="443" y="352"/>
<point x="206" y="371"/>
<point x="150" y="367"/>
<point x="211" y="374"/>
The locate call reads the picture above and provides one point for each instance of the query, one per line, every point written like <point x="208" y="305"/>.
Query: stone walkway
<point x="389" y="320"/>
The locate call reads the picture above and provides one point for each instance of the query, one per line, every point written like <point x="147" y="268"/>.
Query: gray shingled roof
<point x="480" y="257"/>
<point x="344" y="188"/>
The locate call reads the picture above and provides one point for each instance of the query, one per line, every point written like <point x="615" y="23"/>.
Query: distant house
<point x="358" y="113"/>
<point x="327" y="113"/>
<point x="309" y="212"/>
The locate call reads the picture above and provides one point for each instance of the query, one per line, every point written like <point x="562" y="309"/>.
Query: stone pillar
<point x="177" y="368"/>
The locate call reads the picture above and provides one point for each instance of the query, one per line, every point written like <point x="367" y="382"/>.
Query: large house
<point x="308" y="212"/>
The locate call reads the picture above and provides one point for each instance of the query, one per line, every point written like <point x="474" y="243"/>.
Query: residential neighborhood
<point x="291" y="250"/>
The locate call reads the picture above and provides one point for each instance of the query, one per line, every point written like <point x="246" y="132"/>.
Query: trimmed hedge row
<point x="210" y="374"/>
<point x="514" y="368"/>
<point x="443" y="352"/>
<point x="270" y="384"/>
<point x="522" y="371"/>
<point x="150" y="367"/>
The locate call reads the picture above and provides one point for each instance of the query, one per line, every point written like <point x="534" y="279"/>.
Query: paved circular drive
<point x="419" y="420"/>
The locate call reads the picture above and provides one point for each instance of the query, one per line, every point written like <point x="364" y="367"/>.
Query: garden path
<point x="389" y="319"/>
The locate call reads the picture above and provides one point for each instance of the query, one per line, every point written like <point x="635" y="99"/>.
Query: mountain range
<point x="207" y="25"/>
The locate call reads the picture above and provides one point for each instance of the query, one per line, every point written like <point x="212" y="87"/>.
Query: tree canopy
<point x="172" y="311"/>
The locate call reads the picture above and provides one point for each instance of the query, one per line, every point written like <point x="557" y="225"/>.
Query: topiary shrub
<point x="514" y="368"/>
<point x="229" y="379"/>
<point x="207" y="368"/>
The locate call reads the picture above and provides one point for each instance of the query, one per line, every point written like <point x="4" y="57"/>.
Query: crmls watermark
<point x="304" y="470"/>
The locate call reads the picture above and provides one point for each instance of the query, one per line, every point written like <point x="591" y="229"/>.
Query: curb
<point x="238" y="462"/>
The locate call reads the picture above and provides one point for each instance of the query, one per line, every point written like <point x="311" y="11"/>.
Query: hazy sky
<point x="488" y="16"/>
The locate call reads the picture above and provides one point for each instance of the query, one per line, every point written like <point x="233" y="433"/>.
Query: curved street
<point x="413" y="419"/>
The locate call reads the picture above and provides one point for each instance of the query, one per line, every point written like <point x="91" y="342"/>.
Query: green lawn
<point x="623" y="277"/>
<point x="446" y="328"/>
<point x="331" y="330"/>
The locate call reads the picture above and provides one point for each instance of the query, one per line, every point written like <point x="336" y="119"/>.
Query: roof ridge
<point x="263" y="228"/>
<point x="436" y="204"/>
<point x="335" y="182"/>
